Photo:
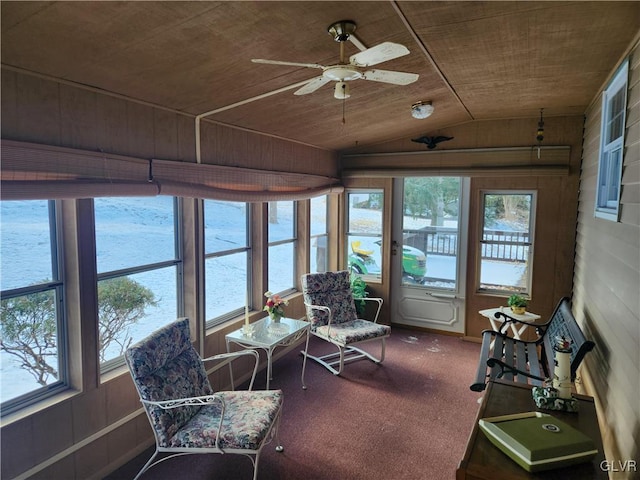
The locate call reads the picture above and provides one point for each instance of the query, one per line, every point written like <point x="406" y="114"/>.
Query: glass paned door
<point x="427" y="249"/>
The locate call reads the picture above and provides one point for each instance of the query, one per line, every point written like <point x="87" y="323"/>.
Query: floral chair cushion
<point x="248" y="416"/>
<point x="330" y="289"/>
<point x="354" y="331"/>
<point x="165" y="366"/>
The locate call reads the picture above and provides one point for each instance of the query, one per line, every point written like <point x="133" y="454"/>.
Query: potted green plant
<point x="359" y="290"/>
<point x="518" y="304"/>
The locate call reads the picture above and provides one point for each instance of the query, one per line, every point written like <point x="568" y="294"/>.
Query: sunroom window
<point x="32" y="354"/>
<point x="506" y="242"/>
<point x="227" y="259"/>
<point x="614" y="102"/>
<point x="364" y="233"/>
<point x="282" y="246"/>
<point x="319" y="237"/>
<point x="139" y="270"/>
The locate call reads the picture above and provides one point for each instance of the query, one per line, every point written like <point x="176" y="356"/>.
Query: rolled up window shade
<point x="33" y="171"/>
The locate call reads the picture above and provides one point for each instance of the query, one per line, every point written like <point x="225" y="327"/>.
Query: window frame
<point x="177" y="262"/>
<point x="283" y="241"/>
<point x="610" y="174"/>
<point x="220" y="319"/>
<point x="318" y="236"/>
<point x="369" y="278"/>
<point x="527" y="291"/>
<point x="57" y="286"/>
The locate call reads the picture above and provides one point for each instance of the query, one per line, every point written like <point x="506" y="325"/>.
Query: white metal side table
<point x="268" y="335"/>
<point x="516" y="330"/>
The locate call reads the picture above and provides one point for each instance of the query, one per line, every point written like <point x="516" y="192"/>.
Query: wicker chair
<point x="331" y="310"/>
<point x="186" y="415"/>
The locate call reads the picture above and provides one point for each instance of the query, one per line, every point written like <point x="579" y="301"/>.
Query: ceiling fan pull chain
<point x="344" y="97"/>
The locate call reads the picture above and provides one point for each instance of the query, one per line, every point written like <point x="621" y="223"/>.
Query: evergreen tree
<point x="28" y="325"/>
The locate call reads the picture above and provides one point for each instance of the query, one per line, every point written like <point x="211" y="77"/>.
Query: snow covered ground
<point x="140" y="232"/>
<point x="132" y="232"/>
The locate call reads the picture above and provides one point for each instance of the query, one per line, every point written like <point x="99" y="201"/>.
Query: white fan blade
<point x="292" y="64"/>
<point x="378" y="54"/>
<point x="312" y="86"/>
<point x="356" y="41"/>
<point x="387" y="76"/>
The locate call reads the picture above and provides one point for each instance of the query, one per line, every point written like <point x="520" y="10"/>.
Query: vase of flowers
<point x="275" y="306"/>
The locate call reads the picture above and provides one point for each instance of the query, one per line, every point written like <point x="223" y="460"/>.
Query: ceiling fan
<point x="356" y="68"/>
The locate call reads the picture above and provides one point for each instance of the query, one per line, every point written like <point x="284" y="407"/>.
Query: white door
<point x="428" y="252"/>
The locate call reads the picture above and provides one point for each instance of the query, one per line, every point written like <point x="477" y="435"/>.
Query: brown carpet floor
<point x="408" y="418"/>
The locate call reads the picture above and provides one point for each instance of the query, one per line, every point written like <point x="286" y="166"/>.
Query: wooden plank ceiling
<point x="476" y="60"/>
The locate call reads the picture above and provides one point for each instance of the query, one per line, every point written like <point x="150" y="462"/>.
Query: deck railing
<point x="508" y="246"/>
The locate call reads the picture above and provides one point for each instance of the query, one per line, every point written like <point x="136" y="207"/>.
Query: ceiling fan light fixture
<point x="421" y="110"/>
<point x="341" y="90"/>
<point x="355" y="67"/>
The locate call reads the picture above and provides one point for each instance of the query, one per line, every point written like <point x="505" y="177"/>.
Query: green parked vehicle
<point x="414" y="262"/>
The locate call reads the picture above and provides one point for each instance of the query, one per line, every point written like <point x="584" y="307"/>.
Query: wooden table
<point x="483" y="460"/>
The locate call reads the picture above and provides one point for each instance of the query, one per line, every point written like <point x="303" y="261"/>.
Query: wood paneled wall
<point x="557" y="194"/>
<point x="40" y="110"/>
<point x="607" y="283"/>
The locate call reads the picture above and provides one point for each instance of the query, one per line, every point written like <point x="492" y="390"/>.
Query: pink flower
<point x="274" y="304"/>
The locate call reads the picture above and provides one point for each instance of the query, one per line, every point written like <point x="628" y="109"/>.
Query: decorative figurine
<point x="558" y="396"/>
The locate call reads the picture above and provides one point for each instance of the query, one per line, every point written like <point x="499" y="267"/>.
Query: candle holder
<point x="248" y="330"/>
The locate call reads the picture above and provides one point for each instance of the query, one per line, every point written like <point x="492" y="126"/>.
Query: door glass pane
<point x="506" y="242"/>
<point x="430" y="232"/>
